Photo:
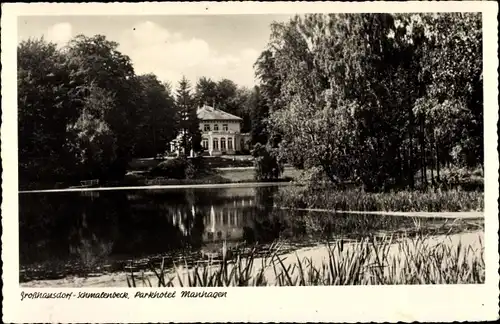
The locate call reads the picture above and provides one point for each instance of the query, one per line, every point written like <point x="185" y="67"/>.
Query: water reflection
<point x="78" y="233"/>
<point x="82" y="232"/>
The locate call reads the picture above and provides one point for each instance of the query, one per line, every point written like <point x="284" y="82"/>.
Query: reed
<point x="371" y="261"/>
<point x="403" y="201"/>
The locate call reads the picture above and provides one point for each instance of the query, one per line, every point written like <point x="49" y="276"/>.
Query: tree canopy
<point x="83" y="112"/>
<point x="375" y="98"/>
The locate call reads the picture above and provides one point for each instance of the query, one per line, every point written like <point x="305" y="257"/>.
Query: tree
<point x="95" y="60"/>
<point x="95" y="144"/>
<point x="267" y="166"/>
<point x="206" y="92"/>
<point x="46" y="105"/>
<point x="454" y="62"/>
<point x="259" y="112"/>
<point x="373" y="97"/>
<point x="226" y="96"/>
<point x="188" y="122"/>
<point x="157" y="117"/>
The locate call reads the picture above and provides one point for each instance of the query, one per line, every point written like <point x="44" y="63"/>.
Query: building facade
<point x="221" y="133"/>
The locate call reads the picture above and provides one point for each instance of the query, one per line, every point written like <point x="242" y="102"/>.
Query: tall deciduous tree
<point x="374" y="97"/>
<point x="96" y="60"/>
<point x="259" y="112"/>
<point x="206" y="92"/>
<point x="157" y="117"/>
<point x="46" y="105"/>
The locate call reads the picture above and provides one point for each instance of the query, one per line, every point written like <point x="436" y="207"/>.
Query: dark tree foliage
<point x="157" y="122"/>
<point x="388" y="100"/>
<point x="83" y="113"/>
<point x="188" y="122"/>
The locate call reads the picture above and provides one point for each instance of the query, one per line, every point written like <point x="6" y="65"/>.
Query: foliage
<point x="172" y="168"/>
<point x="267" y="166"/>
<point x="372" y="261"/>
<point x="43" y="91"/>
<point x="206" y="92"/>
<point x="95" y="146"/>
<point x="83" y="111"/>
<point x="157" y="118"/>
<point x="227" y="96"/>
<point x="259" y="112"/>
<point x="187" y="118"/>
<point x="96" y="61"/>
<point x="195" y="167"/>
<point x="401" y="201"/>
<point x="376" y="98"/>
<point x="180" y="168"/>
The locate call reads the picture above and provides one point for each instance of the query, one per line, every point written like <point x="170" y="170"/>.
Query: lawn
<point x="248" y="174"/>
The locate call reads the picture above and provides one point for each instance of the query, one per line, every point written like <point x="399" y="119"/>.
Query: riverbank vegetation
<point x="401" y="201"/>
<point x="368" y="262"/>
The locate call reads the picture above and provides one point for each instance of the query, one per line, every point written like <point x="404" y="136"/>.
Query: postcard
<point x="250" y="162"/>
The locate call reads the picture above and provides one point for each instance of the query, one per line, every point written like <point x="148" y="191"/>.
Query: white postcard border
<point x="298" y="304"/>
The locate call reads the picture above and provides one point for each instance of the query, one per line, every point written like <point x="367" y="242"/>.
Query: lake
<point x="81" y="233"/>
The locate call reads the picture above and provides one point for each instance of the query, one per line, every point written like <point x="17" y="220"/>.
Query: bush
<point x="195" y="166"/>
<point x="267" y="166"/>
<point x="464" y="178"/>
<point x="173" y="169"/>
<point x="402" y="201"/>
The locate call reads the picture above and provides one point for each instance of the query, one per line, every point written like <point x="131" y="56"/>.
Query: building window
<point x="215" y="145"/>
<point x="204" y="143"/>
<point x="224" y="127"/>
<point x="216" y="127"/>
<point x="206" y="127"/>
<point x="230" y="144"/>
<point x="222" y="143"/>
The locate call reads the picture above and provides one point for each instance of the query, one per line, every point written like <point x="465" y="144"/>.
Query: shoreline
<point x="173" y="186"/>
<point x="444" y="214"/>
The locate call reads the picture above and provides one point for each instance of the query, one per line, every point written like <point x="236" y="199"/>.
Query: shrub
<point x="173" y="169"/>
<point x="194" y="167"/>
<point x="402" y="201"/>
<point x="464" y="178"/>
<point x="267" y="166"/>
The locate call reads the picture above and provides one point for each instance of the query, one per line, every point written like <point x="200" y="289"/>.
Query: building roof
<point x="210" y="113"/>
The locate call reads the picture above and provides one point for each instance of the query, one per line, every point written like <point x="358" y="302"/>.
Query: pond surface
<point x="78" y="233"/>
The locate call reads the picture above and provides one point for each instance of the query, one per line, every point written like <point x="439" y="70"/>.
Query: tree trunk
<point x="422" y="152"/>
<point x="155" y="150"/>
<point x="411" y="170"/>
<point x="432" y="160"/>
<point x="437" y="162"/>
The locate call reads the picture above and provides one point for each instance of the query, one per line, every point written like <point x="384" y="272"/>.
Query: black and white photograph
<point x="249" y="150"/>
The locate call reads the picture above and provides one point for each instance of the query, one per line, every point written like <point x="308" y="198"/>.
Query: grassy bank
<point x="404" y="201"/>
<point x="236" y="161"/>
<point x="229" y="175"/>
<point x="417" y="260"/>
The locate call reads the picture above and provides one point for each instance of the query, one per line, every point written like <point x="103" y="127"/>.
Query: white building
<point x="221" y="133"/>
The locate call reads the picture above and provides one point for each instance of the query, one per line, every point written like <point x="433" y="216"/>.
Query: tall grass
<point x="371" y="261"/>
<point x="403" y="201"/>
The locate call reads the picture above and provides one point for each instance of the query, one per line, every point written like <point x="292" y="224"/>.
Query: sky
<point x="214" y="46"/>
